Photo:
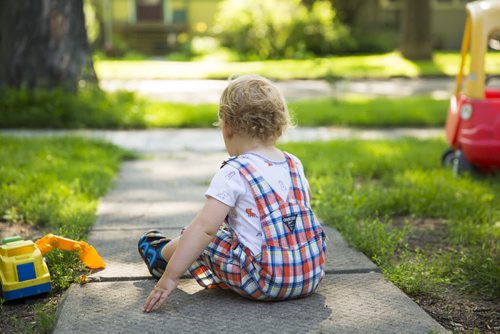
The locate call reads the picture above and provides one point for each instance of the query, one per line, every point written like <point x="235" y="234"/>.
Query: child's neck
<point x="245" y="145"/>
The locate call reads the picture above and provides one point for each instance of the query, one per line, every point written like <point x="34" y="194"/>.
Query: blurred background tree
<point x="43" y="44"/>
<point x="416" y="38"/>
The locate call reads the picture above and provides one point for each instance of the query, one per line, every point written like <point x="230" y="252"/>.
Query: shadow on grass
<point x="429" y="68"/>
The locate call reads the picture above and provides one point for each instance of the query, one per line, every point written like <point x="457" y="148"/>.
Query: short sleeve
<point x="226" y="186"/>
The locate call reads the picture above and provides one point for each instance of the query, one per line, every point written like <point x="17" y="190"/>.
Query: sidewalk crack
<point x="352" y="271"/>
<point x="98" y="279"/>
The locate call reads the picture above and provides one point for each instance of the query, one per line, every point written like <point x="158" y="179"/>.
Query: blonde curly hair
<point x="251" y="105"/>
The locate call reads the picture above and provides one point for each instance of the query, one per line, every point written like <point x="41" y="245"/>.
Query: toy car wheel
<point x="447" y="157"/>
<point x="461" y="165"/>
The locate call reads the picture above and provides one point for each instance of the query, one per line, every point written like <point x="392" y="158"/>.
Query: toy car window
<point x="494" y="41"/>
<point x="20" y="251"/>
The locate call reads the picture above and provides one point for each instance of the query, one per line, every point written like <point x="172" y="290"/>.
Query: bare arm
<point x="193" y="241"/>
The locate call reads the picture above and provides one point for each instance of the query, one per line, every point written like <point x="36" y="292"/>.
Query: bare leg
<point x="169" y="249"/>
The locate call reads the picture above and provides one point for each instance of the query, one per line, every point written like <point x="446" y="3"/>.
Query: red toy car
<point x="473" y="123"/>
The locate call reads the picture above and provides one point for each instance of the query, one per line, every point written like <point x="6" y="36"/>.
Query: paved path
<point x="209" y="91"/>
<point x="165" y="192"/>
<point x="210" y="140"/>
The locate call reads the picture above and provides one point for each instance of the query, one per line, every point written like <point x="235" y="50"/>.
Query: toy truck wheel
<point x="448" y="157"/>
<point x="461" y="165"/>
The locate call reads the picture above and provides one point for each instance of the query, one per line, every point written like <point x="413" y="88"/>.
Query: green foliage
<point x="365" y="188"/>
<point x="264" y="29"/>
<point x="90" y="107"/>
<point x="416" y="272"/>
<point x="377" y="41"/>
<point x="92" y="24"/>
<point x="64" y="267"/>
<point x="45" y="316"/>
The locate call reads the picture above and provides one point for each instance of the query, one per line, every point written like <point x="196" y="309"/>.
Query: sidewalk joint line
<point x="352" y="271"/>
<point x="98" y="279"/>
<point x="141" y="228"/>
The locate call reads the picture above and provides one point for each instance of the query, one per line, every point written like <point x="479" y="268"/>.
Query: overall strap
<point x="298" y="190"/>
<point x="265" y="197"/>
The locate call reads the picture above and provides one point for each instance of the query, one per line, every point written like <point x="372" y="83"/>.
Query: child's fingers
<point x="161" y="300"/>
<point x="152" y="299"/>
<point x="155" y="299"/>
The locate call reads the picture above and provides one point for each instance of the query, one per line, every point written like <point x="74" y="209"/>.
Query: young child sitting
<point x="256" y="233"/>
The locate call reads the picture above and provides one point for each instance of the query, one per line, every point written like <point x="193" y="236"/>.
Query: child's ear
<point x="228" y="132"/>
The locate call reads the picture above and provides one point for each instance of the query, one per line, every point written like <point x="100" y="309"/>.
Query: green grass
<point x="92" y="108"/>
<point x="358" y="66"/>
<point x="428" y="230"/>
<point x="349" y="111"/>
<point x="179" y="115"/>
<point x="421" y="111"/>
<point x="56" y="109"/>
<point x="54" y="184"/>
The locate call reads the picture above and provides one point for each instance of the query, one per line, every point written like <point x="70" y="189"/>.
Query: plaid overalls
<point x="292" y="260"/>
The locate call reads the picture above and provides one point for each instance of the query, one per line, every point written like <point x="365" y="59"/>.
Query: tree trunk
<point x="43" y="44"/>
<point x="416" y="40"/>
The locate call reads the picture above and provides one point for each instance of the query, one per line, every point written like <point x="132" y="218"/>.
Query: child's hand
<point x="159" y="295"/>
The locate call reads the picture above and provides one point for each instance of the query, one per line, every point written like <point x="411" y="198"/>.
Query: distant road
<point x="208" y="91"/>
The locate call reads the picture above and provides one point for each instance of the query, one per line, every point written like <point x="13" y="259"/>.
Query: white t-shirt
<point x="231" y="188"/>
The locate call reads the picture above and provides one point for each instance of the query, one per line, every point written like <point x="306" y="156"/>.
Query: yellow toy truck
<point x="23" y="272"/>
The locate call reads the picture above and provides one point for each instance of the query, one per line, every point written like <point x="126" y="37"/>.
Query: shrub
<point x="265" y="29"/>
<point x="90" y="107"/>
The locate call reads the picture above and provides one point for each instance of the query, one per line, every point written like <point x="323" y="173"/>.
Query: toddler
<point x="256" y="233"/>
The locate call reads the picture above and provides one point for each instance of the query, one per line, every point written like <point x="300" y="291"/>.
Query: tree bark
<point x="416" y="40"/>
<point x="43" y="44"/>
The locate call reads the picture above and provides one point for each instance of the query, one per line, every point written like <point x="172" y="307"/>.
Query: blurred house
<point x="448" y="20"/>
<point x="154" y="26"/>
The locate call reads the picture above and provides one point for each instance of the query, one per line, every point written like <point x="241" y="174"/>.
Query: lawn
<point x="358" y="66"/>
<point x="357" y="111"/>
<point x="52" y="185"/>
<point x="434" y="235"/>
<point x="422" y="111"/>
<point x="92" y="108"/>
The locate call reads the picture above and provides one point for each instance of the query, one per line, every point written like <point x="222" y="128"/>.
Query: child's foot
<point x="150" y="246"/>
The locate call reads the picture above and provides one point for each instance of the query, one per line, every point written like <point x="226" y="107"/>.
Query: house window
<point x="450" y="3"/>
<point x="149" y="10"/>
<point x="179" y="16"/>
<point x="390" y="4"/>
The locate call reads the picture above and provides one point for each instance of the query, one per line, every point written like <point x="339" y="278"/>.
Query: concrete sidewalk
<point x="166" y="141"/>
<point x="165" y="192"/>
